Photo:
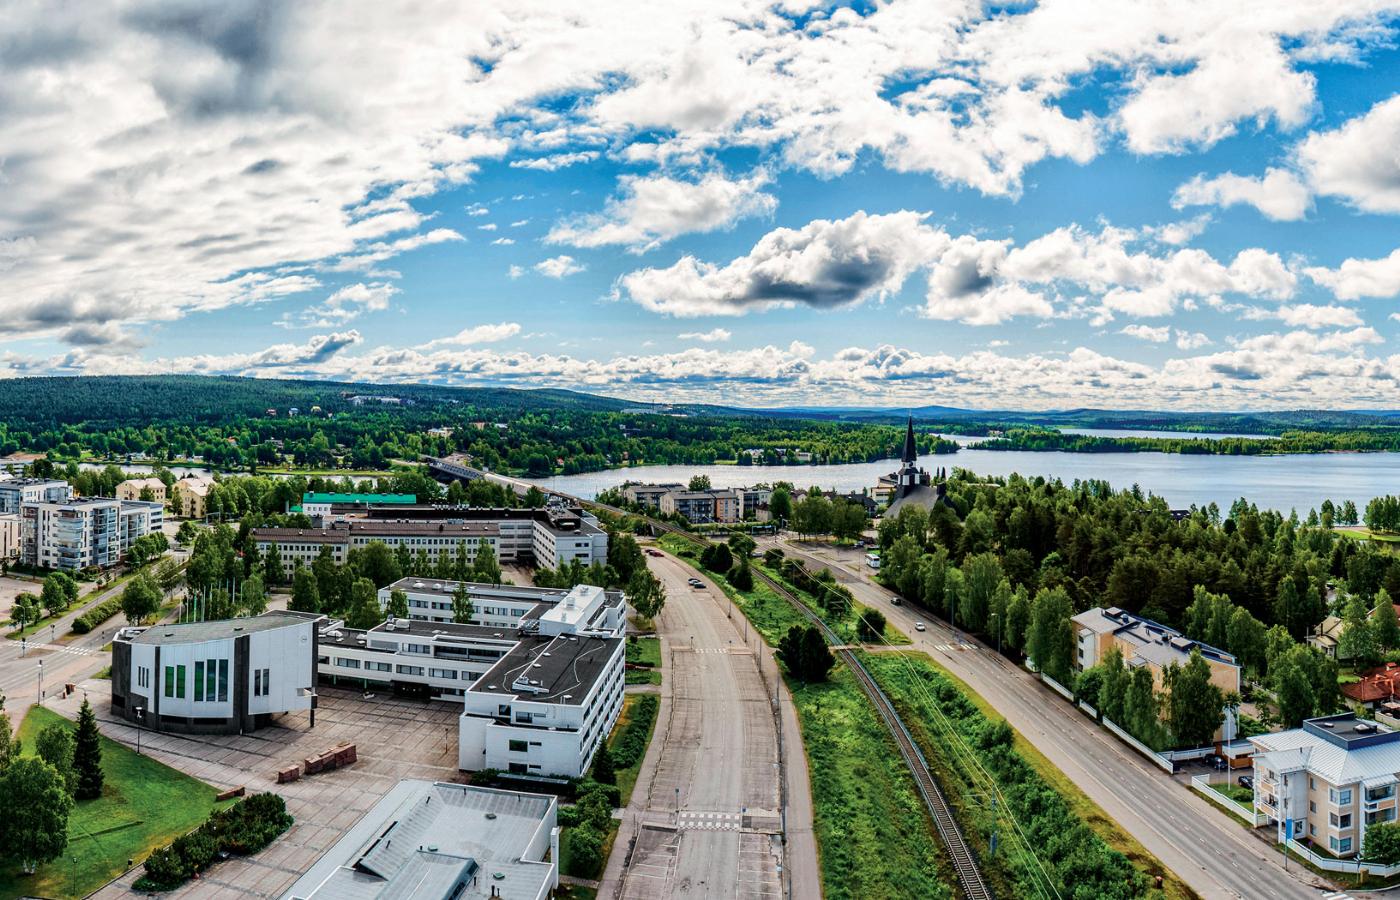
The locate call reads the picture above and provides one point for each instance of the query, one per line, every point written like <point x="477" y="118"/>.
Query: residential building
<point x="753" y="502"/>
<point x="1376" y="687"/>
<point x="300" y="546"/>
<point x="223" y="677"/>
<point x="1327" y="635"/>
<point x="1333" y="778"/>
<point x="648" y="494"/>
<point x="701" y="506"/>
<point x="16" y="463"/>
<point x="318" y="505"/>
<point x="553" y="659"/>
<point x="85" y="532"/>
<point x="132" y="488"/>
<point x="1143" y="642"/>
<point x="189" y="496"/>
<point x="15" y="492"/>
<point x="10" y="542"/>
<point x="440" y="841"/>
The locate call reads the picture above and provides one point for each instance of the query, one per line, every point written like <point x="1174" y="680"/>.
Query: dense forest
<point x="246" y="424"/>
<point x="1293" y="441"/>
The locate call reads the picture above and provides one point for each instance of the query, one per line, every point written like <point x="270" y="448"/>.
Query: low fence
<point x="1202" y="783"/>
<point x="1153" y="756"/>
<point x="1352" y="866"/>
<point x="1057" y="687"/>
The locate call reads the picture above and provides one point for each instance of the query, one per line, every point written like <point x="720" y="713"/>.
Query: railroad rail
<point x="964" y="862"/>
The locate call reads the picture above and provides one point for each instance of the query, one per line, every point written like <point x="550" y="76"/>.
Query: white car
<point x="919" y="626"/>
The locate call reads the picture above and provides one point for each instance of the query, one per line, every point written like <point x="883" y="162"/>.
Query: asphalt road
<point x="711" y="822"/>
<point x="1204" y="846"/>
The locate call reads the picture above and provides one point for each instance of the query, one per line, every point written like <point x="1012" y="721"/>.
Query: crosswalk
<point x="56" y="648"/>
<point x="1337" y="895"/>
<point x="710" y="821"/>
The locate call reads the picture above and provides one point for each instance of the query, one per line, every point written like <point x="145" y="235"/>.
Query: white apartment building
<point x="1332" y="779"/>
<point x="9" y="536"/>
<point x="15" y="492"/>
<point x="702" y="506"/>
<point x="562" y="652"/>
<point x="86" y="532"/>
<point x="227" y="677"/>
<point x="649" y="494"/>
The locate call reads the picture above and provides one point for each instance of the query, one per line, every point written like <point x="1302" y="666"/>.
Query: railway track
<point x="969" y="874"/>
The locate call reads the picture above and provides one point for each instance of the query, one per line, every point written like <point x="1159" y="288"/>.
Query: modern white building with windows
<point x="229" y="676"/>
<point x="15" y="492"/>
<point x="1332" y="779"/>
<point x="85" y="532"/>
<point x="539" y="672"/>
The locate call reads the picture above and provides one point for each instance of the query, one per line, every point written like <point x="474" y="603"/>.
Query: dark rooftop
<point x="195" y="632"/>
<point x="559" y="669"/>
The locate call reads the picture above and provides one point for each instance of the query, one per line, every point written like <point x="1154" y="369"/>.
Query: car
<point x="1247" y="781"/>
<point x="919" y="626"/>
<point x="651" y="552"/>
<point x="860" y="545"/>
<point x="896" y="601"/>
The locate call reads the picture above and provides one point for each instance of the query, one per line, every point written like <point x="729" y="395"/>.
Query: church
<point x="910" y="483"/>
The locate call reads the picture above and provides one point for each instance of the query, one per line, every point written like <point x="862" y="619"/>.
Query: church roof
<point x="911" y="450"/>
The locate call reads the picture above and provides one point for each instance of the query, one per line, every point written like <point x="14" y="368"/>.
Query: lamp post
<point x="997" y="619"/>
<point x="139" y="713"/>
<point x="41" y="683"/>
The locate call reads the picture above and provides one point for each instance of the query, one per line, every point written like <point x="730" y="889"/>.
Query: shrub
<point x="243" y="828"/>
<point x="585" y="845"/>
<point x="97" y="615"/>
<point x="631" y="743"/>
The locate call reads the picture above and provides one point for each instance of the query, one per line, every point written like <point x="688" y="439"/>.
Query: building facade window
<point x="410" y="670"/>
<point x="347" y="663"/>
<point x="519" y="746"/>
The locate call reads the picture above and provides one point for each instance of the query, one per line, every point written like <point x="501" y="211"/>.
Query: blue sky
<point x="1038" y="205"/>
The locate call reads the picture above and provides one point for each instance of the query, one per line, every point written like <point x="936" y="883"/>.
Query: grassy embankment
<point x="1074" y="838"/>
<point x="144" y="805"/>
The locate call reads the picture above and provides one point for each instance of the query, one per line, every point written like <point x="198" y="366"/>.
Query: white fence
<point x="1202" y="784"/>
<point x="1057" y="687"/>
<point x="1354" y="866"/>
<point x="1156" y="758"/>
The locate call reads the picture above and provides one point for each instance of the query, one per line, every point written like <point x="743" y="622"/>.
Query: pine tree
<point x="305" y="596"/>
<point x="604" y="772"/>
<point x="1384" y="625"/>
<point x="87" y="754"/>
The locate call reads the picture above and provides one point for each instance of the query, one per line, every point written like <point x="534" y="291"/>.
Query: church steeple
<point x="911" y="450"/>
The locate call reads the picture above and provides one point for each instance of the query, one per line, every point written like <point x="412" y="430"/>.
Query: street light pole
<point x="41" y="683"/>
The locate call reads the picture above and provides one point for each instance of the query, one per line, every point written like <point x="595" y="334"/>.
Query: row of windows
<point x="209" y="686"/>
<point x="372" y="666"/>
<point x="143" y="677"/>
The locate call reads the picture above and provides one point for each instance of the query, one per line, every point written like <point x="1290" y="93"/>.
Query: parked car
<point x="896" y="601"/>
<point x="1247" y="782"/>
<point x="919" y="626"/>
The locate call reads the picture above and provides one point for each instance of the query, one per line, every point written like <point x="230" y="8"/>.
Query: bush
<point x="244" y="828"/>
<point x="97" y="615"/>
<point x="585" y="846"/>
<point x="740" y="576"/>
<point x="631" y="743"/>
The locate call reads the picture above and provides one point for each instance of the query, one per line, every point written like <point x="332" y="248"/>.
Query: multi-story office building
<point x="1144" y="642"/>
<point x="549" y="537"/>
<point x="87" y="532"/>
<point x="702" y="506"/>
<point x="1332" y="779"/>
<point x="319" y="505"/>
<point x="300" y="546"/>
<point x="225" y="677"/>
<point x="448" y="841"/>
<point x="15" y="492"/>
<point x="132" y="488"/>
<point x="552" y="659"/>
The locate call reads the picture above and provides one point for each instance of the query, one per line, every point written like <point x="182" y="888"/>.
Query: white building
<point x="229" y="676"/>
<point x="301" y="546"/>
<point x="86" y="532"/>
<point x="442" y="842"/>
<point x="1332" y="779"/>
<point x="9" y="536"/>
<point x="15" y="492"/>
<point x="553" y="659"/>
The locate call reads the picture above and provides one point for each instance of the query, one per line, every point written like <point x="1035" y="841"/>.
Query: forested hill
<point x="191" y="399"/>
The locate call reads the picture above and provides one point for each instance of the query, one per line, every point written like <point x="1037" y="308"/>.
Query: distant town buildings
<point x="1143" y="642"/>
<point x="448" y="841"/>
<point x="224" y="677"/>
<point x="16" y="463"/>
<point x="132" y="488"/>
<point x="708" y="505"/>
<point x="319" y="505"/>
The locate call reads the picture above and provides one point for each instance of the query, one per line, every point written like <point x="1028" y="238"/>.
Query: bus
<point x="873" y="560"/>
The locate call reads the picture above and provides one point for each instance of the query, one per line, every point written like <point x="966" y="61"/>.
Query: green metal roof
<point x="358" y="498"/>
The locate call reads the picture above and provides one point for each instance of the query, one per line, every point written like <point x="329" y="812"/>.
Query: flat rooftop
<point x="560" y="669"/>
<point x="195" y="632"/>
<point x="435" y="840"/>
<point x="391" y="499"/>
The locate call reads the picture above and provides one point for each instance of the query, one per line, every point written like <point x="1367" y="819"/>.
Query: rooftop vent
<point x="1326" y="724"/>
<point x="1364" y="728"/>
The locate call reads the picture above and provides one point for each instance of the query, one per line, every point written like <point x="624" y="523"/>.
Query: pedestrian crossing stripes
<point x="710" y="821"/>
<point x="1337" y="895"/>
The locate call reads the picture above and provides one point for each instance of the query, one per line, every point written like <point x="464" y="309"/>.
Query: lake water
<point x="1289" y="481"/>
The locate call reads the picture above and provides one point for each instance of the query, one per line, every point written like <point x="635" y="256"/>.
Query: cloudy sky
<point x="1171" y="204"/>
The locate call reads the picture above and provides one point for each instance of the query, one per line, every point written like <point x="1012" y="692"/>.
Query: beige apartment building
<point x="702" y="506"/>
<point x="189" y="496"/>
<point x="1331" y="779"/>
<point x="9" y="536"/>
<point x="1144" y="642"/>
<point x="131" y="489"/>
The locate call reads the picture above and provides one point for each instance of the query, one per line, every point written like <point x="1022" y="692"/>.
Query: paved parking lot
<point x="394" y="738"/>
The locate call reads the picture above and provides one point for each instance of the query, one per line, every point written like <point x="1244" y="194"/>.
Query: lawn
<point x="642" y="676"/>
<point x="1241" y="795"/>
<point x="144" y="805"/>
<point x="644" y="651"/>
<point x="873" y="834"/>
<point x="896" y="678"/>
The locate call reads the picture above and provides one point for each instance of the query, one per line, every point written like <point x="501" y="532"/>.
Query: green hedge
<point x="244" y="828"/>
<point x="631" y="743"/>
<point x="97" y="615"/>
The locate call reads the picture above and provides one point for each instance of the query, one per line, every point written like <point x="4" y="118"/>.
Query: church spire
<point x="911" y="450"/>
